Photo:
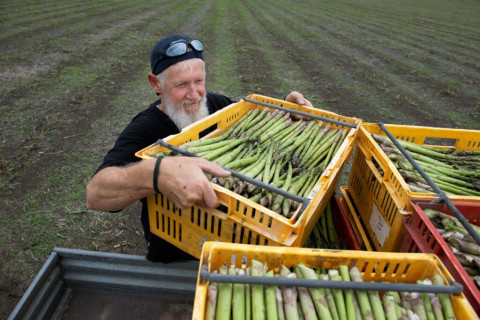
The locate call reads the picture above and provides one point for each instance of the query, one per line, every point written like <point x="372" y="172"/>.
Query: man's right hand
<point x="182" y="180"/>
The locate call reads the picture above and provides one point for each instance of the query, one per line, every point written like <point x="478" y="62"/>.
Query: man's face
<point x="183" y="93"/>
<point x="185" y="85"/>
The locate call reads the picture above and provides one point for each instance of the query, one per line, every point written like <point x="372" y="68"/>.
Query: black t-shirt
<point x="146" y="128"/>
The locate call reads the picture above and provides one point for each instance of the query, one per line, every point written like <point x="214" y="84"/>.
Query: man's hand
<point x="182" y="180"/>
<point x="298" y="98"/>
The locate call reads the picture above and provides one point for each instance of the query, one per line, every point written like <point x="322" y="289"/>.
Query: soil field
<point x="73" y="74"/>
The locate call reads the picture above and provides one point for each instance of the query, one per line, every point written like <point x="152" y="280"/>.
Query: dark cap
<point x="159" y="61"/>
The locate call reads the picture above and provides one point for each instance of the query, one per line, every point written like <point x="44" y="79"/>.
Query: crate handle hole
<point x="223" y="208"/>
<point x="206" y="131"/>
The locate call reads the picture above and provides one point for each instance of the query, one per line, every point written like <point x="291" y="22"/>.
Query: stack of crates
<point x="388" y="215"/>
<point x="369" y="214"/>
<point x="378" y="190"/>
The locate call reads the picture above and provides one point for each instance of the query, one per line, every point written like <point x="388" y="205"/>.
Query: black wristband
<point x="155" y="174"/>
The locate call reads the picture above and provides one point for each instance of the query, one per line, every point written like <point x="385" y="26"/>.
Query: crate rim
<point x="210" y="250"/>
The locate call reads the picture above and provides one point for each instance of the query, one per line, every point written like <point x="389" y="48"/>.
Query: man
<point x="178" y="78"/>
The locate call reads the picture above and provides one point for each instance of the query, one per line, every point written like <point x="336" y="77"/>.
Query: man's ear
<point x="155" y="83"/>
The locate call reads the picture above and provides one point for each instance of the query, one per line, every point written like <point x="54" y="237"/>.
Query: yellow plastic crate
<point x="378" y="190"/>
<point x="239" y="220"/>
<point x="375" y="266"/>
<point x="355" y="220"/>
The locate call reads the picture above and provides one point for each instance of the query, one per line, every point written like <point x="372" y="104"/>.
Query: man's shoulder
<point x="216" y="101"/>
<point x="151" y="122"/>
<point x="151" y="110"/>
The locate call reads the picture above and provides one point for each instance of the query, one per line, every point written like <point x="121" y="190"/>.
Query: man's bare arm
<point x="180" y="179"/>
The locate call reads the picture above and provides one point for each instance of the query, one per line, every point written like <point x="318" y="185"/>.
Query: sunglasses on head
<point x="180" y="47"/>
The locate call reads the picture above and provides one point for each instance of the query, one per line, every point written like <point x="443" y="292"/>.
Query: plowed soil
<point x="73" y="74"/>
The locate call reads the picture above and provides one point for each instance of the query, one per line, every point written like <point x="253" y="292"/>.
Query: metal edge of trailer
<point x="69" y="269"/>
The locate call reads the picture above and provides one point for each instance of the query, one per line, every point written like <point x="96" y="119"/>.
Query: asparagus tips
<point x="453" y="172"/>
<point x="436" y="306"/>
<point x="418" y="306"/>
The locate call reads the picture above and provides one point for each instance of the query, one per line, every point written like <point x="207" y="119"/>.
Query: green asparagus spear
<point x="238" y="298"/>
<point x="270" y="300"/>
<point x="318" y="294"/>
<point x="362" y="296"/>
<point x="224" y="302"/>
<point x="258" y="302"/>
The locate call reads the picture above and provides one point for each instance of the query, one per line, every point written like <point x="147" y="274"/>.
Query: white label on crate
<point x="379" y="225"/>
<point x="314" y="191"/>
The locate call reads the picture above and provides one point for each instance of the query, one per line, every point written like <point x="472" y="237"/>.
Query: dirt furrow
<point x="255" y="69"/>
<point x="437" y="69"/>
<point x="408" y="19"/>
<point x="221" y="51"/>
<point x="424" y="36"/>
<point x="400" y="31"/>
<point x="331" y="75"/>
<point x="19" y="19"/>
<point x="364" y="74"/>
<point x="63" y="113"/>
<point x="16" y="73"/>
<point x="33" y="34"/>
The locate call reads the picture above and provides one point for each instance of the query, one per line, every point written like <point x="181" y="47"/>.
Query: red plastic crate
<point x="422" y="236"/>
<point x="342" y="225"/>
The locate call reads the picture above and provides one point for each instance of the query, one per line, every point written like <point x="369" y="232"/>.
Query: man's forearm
<point x="115" y="188"/>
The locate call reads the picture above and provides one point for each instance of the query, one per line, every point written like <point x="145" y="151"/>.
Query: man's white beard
<point x="178" y="115"/>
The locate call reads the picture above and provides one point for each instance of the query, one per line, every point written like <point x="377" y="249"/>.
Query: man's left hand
<point x="298" y="98"/>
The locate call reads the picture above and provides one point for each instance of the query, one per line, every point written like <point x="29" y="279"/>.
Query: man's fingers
<point x="209" y="197"/>
<point x="298" y="98"/>
<point x="212" y="168"/>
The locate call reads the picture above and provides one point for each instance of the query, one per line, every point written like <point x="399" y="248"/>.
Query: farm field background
<point x="73" y="74"/>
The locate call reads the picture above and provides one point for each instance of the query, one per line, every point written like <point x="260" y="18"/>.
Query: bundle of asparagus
<point x="456" y="173"/>
<point x="324" y="234"/>
<point x="272" y="148"/>
<point x="244" y="301"/>
<point x="459" y="240"/>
